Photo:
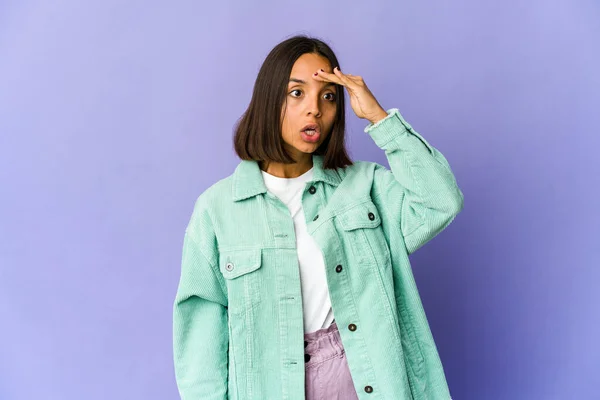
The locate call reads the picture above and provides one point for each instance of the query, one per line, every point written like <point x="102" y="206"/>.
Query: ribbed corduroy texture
<point x="238" y="329"/>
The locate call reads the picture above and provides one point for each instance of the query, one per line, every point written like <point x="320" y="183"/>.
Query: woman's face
<point x="308" y="101"/>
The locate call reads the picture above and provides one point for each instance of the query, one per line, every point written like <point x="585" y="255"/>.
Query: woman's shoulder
<point x="216" y="192"/>
<point x="208" y="204"/>
<point x="361" y="169"/>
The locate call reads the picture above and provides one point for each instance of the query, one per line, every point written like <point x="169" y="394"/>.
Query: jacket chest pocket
<point x="361" y="225"/>
<point x="241" y="270"/>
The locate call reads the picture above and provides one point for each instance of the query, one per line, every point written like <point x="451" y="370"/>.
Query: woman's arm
<point x="200" y="332"/>
<point x="420" y="185"/>
<point x="420" y="188"/>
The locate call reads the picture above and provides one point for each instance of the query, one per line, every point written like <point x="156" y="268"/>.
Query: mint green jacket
<point x="238" y="328"/>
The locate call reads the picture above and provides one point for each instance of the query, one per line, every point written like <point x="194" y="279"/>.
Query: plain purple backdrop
<point x="115" y="116"/>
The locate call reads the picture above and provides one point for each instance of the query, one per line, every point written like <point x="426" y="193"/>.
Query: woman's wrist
<point x="378" y="117"/>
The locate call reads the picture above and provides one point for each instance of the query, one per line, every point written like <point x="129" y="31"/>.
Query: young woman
<point x="299" y="242"/>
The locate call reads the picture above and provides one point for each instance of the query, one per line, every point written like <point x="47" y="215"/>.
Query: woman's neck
<point x="288" y="170"/>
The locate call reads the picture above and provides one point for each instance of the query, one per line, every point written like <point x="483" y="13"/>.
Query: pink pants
<point x="327" y="373"/>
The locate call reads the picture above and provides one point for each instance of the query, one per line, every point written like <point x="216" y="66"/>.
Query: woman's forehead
<point x="307" y="64"/>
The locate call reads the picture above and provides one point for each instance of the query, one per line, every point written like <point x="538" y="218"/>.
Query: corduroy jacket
<point x="237" y="318"/>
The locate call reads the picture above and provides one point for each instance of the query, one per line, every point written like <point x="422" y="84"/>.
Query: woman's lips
<point x="311" y="133"/>
<point x="311" y="136"/>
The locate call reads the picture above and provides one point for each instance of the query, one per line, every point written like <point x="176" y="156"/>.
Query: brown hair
<point x="258" y="133"/>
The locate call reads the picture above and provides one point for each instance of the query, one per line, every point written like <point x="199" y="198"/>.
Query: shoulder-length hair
<point x="258" y="133"/>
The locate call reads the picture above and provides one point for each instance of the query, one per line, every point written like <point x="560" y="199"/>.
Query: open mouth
<point x="311" y="133"/>
<point x="311" y="129"/>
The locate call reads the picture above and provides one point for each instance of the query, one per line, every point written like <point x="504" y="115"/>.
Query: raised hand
<point x="363" y="103"/>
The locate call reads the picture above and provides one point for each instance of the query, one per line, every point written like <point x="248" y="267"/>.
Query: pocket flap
<point x="363" y="215"/>
<point x="234" y="263"/>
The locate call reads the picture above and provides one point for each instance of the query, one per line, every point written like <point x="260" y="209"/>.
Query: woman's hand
<point x="362" y="100"/>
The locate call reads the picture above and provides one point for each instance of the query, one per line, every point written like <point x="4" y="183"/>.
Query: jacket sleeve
<point x="419" y="186"/>
<point x="200" y="325"/>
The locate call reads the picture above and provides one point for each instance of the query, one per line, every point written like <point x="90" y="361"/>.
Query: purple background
<point x="114" y="117"/>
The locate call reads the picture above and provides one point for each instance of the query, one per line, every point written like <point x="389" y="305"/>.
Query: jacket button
<point x="312" y="190"/>
<point x="352" y="327"/>
<point x="229" y="266"/>
<point x="315" y="218"/>
<point x="338" y="268"/>
<point x="305" y="343"/>
<point x="306" y="357"/>
<point x="371" y="216"/>
<point x="368" y="389"/>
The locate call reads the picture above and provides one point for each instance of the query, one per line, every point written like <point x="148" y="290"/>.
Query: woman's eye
<point x="332" y="95"/>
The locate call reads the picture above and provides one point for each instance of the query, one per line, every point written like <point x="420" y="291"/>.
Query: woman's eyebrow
<point x="304" y="82"/>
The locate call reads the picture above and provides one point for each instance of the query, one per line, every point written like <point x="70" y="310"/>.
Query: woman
<point x="301" y="242"/>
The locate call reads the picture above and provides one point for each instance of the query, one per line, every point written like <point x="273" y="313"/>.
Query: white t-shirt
<point x="316" y="303"/>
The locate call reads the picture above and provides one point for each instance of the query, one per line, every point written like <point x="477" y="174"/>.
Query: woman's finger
<point x="342" y="76"/>
<point x="326" y="76"/>
<point x="357" y="79"/>
<point x="337" y="77"/>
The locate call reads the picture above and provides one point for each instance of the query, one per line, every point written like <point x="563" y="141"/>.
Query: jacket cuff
<point x="394" y="126"/>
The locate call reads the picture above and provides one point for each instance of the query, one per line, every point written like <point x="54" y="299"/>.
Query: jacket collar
<point x="248" y="180"/>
